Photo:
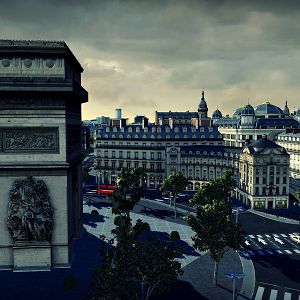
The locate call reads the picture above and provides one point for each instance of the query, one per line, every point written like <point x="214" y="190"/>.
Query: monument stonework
<point x="40" y="154"/>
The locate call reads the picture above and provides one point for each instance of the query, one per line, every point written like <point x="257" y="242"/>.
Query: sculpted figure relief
<point x="30" y="213"/>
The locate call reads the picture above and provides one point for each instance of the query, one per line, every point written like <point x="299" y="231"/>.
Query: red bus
<point x="106" y="189"/>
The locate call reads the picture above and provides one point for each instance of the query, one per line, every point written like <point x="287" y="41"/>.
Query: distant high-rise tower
<point x="118" y="113"/>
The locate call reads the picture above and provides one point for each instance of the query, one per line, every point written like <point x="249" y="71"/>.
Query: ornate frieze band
<point x="30" y="139"/>
<point x="24" y="102"/>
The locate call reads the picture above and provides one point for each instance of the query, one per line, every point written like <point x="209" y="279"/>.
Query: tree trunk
<point x="215" y="273"/>
<point x="175" y="208"/>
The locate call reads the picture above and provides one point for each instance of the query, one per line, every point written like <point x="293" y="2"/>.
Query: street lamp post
<point x="233" y="275"/>
<point x="237" y="214"/>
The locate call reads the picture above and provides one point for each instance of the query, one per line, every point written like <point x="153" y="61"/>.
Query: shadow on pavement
<point x="278" y="269"/>
<point x="181" y="290"/>
<point x="48" y="285"/>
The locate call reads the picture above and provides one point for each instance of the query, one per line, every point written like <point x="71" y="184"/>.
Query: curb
<point x="248" y="285"/>
<point x="274" y="218"/>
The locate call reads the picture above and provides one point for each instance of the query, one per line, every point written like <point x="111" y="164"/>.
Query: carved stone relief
<point x="34" y="139"/>
<point x="30" y="213"/>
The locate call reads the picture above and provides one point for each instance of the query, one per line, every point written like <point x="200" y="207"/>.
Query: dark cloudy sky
<point x="152" y="55"/>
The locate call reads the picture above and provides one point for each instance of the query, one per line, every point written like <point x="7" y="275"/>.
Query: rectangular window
<point x="144" y="167"/>
<point x="121" y="154"/>
<point x="264" y="180"/>
<point x="264" y="191"/>
<point x="284" y="190"/>
<point x="136" y="165"/>
<point x="113" y="154"/>
<point x="120" y="164"/>
<point x="128" y="165"/>
<point x="136" y="155"/>
<point x="106" y="164"/>
<point x="152" y="167"/>
<point x="144" y="155"/>
<point x="159" y="155"/>
<point x="113" y="165"/>
<point x="256" y="190"/>
<point x="277" y="180"/>
<point x="257" y="180"/>
<point x="106" y="153"/>
<point x="284" y="180"/>
<point x="152" y="155"/>
<point x="128" y="154"/>
<point x="159" y="167"/>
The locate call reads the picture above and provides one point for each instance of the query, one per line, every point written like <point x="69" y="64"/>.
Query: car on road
<point x="295" y="237"/>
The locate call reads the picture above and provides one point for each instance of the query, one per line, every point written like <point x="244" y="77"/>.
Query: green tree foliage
<point x="174" y="184"/>
<point x="135" y="267"/>
<point x="214" y="230"/>
<point x="128" y="192"/>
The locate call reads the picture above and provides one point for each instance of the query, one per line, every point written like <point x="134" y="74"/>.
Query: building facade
<point x="136" y="146"/>
<point x="202" y="163"/>
<point x="249" y="124"/>
<point x="264" y="175"/>
<point x="290" y="140"/>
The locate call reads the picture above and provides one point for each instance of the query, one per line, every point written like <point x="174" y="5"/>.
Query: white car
<point x="295" y="237"/>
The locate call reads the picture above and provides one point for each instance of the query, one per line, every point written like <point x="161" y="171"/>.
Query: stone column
<point x="40" y="130"/>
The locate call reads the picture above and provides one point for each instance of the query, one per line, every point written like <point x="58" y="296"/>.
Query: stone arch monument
<point x="40" y="154"/>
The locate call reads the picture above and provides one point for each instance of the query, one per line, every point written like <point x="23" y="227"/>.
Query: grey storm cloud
<point x="149" y="55"/>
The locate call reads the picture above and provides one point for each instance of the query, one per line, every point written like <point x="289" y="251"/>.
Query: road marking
<point x="268" y="236"/>
<point x="247" y="243"/>
<point x="278" y="240"/>
<point x="288" y="251"/>
<point x="260" y="252"/>
<point x="273" y="295"/>
<point x="258" y="235"/>
<point x="269" y="252"/>
<point x="278" y="251"/>
<point x="262" y="241"/>
<point x="251" y="236"/>
<point x="284" y="235"/>
<point x="287" y="296"/>
<point x="275" y="235"/>
<point x="251" y="252"/>
<point x="259" y="293"/>
<point x="297" y="251"/>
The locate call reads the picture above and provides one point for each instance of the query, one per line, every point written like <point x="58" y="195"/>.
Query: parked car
<point x="295" y="237"/>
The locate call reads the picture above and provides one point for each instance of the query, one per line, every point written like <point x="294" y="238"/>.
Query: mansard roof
<point x="213" y="150"/>
<point x="159" y="132"/>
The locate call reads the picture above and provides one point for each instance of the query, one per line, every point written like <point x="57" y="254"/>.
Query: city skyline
<point x="145" y="56"/>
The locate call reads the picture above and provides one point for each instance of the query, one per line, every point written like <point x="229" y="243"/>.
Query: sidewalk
<point x="274" y="217"/>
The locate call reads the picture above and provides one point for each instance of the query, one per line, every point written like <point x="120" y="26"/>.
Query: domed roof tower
<point x="202" y="108"/>
<point x="217" y="114"/>
<point x="247" y="116"/>
<point x="286" y="110"/>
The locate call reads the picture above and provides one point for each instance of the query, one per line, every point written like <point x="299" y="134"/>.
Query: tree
<point x="174" y="184"/>
<point x="128" y="192"/>
<point x="213" y="227"/>
<point x="135" y="267"/>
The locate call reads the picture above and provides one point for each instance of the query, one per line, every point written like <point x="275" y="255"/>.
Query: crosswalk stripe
<point x="268" y="236"/>
<point x="260" y="252"/>
<point x="297" y="251"/>
<point x="259" y="293"/>
<point x="251" y="236"/>
<point x="288" y="251"/>
<point x="275" y="235"/>
<point x="273" y="295"/>
<point x="251" y="252"/>
<point x="287" y="296"/>
<point x="258" y="235"/>
<point x="269" y="252"/>
<point x="284" y="235"/>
